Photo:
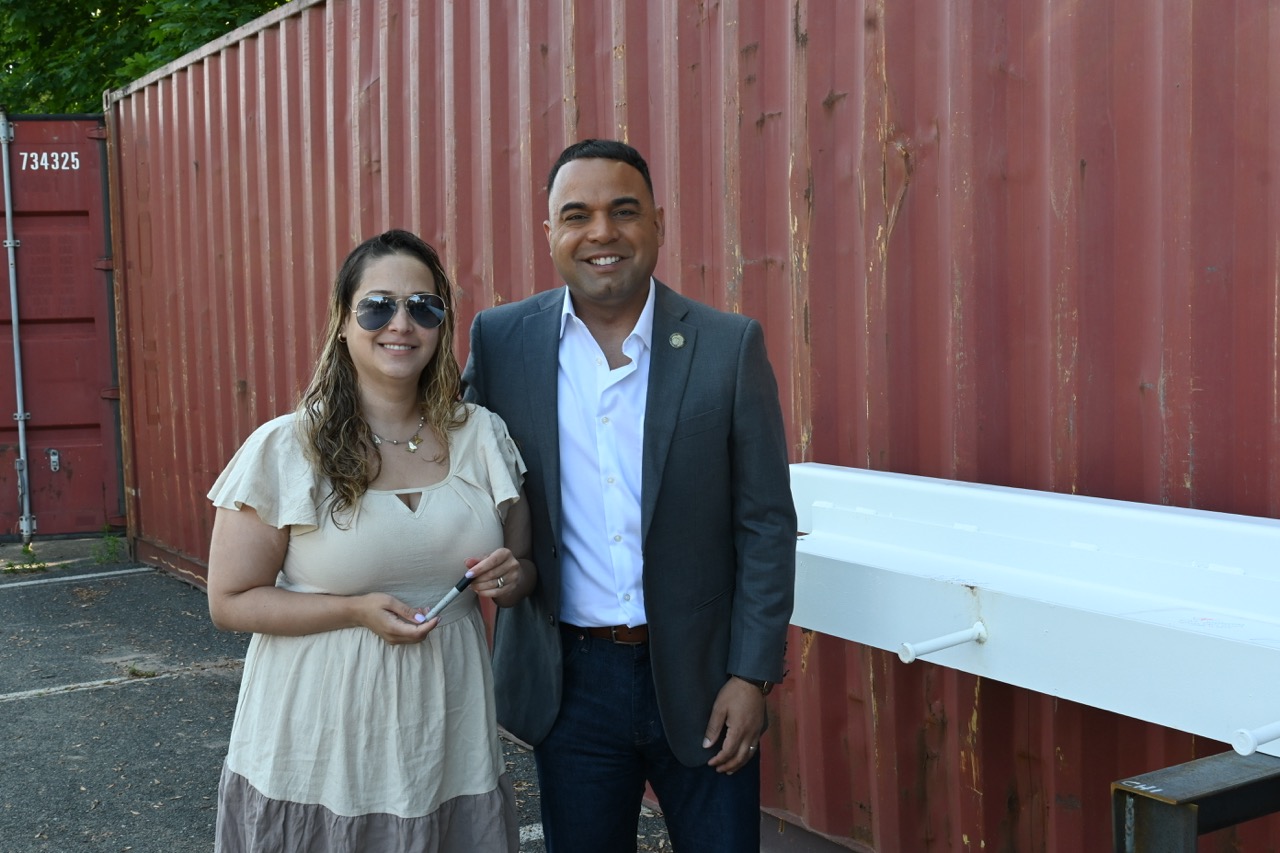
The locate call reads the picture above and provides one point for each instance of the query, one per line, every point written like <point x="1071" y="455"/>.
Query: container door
<point x="66" y="326"/>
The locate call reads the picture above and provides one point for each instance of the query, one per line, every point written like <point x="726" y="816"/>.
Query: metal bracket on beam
<point x="1166" y="810"/>
<point x="911" y="651"/>
<point x="1247" y="741"/>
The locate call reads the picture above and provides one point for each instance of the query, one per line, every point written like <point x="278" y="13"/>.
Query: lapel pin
<point x="677" y="340"/>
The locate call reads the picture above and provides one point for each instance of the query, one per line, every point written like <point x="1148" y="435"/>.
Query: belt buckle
<point x="613" y="635"/>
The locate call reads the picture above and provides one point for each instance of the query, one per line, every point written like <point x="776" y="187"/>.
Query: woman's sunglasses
<point x="425" y="309"/>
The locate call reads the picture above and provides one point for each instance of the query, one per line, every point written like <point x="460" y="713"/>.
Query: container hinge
<point x="12" y="244"/>
<point x="107" y="264"/>
<point x="96" y="133"/>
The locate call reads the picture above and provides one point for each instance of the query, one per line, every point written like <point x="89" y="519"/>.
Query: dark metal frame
<point x="1166" y="810"/>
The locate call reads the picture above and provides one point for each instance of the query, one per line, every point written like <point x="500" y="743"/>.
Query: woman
<point x="362" y="725"/>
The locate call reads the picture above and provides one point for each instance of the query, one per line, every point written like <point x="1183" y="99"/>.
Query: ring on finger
<point x="500" y="581"/>
<point x="751" y="749"/>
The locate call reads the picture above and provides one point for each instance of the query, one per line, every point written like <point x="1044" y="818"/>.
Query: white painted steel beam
<point x="1164" y="614"/>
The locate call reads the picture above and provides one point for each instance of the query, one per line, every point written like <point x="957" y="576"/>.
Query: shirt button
<point x="626" y="597"/>
<point x="604" y="420"/>
<point x="617" y="538"/>
<point x="609" y="481"/>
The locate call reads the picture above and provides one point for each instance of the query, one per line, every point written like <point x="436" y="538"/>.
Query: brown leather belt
<point x="620" y="634"/>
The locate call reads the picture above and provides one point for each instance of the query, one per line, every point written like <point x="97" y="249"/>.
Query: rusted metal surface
<point x="1024" y="244"/>
<point x="65" y="332"/>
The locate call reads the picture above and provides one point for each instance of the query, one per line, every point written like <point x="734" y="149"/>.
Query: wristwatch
<point x="765" y="686"/>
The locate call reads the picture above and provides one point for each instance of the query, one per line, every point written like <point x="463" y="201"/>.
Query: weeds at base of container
<point x="27" y="565"/>
<point x="109" y="549"/>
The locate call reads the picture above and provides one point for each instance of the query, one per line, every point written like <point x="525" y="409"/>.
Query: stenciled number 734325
<point x="49" y="161"/>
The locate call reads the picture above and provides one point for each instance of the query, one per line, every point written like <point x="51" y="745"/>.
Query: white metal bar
<point x="1164" y="614"/>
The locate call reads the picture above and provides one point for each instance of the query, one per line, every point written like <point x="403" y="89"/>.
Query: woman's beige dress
<point x="342" y="742"/>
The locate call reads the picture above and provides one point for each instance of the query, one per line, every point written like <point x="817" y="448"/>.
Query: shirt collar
<point x="644" y="323"/>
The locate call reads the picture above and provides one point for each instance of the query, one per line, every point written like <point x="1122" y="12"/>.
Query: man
<point x="664" y="529"/>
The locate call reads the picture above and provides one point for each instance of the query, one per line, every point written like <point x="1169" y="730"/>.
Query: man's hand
<point x="739" y="716"/>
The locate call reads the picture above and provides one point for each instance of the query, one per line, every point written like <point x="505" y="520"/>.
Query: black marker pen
<point x="449" y="596"/>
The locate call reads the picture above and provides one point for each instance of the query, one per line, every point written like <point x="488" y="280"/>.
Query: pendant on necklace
<point x="411" y="444"/>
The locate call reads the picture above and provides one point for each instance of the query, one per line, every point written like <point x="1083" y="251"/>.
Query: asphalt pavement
<point x="116" y="701"/>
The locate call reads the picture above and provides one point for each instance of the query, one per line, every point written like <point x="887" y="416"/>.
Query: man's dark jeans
<point x="608" y="741"/>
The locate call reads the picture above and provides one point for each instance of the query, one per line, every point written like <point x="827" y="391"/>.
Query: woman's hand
<point x="507" y="575"/>
<point x="393" y="620"/>
<point x="501" y="576"/>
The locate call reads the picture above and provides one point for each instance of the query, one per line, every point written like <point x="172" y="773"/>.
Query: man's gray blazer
<point x="718" y="524"/>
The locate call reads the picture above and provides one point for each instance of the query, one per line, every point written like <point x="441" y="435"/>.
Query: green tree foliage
<point x="59" y="56"/>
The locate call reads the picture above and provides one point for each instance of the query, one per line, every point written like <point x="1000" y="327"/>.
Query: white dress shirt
<point x="601" y="414"/>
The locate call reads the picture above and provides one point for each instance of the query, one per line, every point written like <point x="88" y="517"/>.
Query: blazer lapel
<point x="541" y="347"/>
<point x="674" y="343"/>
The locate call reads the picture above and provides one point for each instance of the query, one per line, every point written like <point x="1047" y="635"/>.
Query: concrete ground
<point x="116" y="700"/>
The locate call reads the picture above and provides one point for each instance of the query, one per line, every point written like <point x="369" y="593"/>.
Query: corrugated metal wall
<point x="1031" y="244"/>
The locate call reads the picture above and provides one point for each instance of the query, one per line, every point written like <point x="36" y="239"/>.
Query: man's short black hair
<point x="602" y="149"/>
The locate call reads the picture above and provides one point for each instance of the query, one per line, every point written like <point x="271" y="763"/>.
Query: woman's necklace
<point x="411" y="443"/>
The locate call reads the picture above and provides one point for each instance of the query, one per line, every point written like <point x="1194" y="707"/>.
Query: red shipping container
<point x="65" y="362"/>
<point x="1029" y="245"/>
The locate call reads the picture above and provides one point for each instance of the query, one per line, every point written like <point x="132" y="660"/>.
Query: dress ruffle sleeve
<point x="271" y="474"/>
<point x="500" y="458"/>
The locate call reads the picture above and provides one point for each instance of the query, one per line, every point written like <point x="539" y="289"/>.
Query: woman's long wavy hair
<point x="338" y="439"/>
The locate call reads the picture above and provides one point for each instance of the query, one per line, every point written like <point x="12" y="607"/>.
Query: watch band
<point x="765" y="686"/>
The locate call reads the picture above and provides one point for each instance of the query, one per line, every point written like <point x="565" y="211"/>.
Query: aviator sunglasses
<point x="374" y="312"/>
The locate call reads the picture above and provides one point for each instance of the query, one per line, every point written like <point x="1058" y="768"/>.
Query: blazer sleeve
<point x="764" y="517"/>
<point x="472" y="375"/>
